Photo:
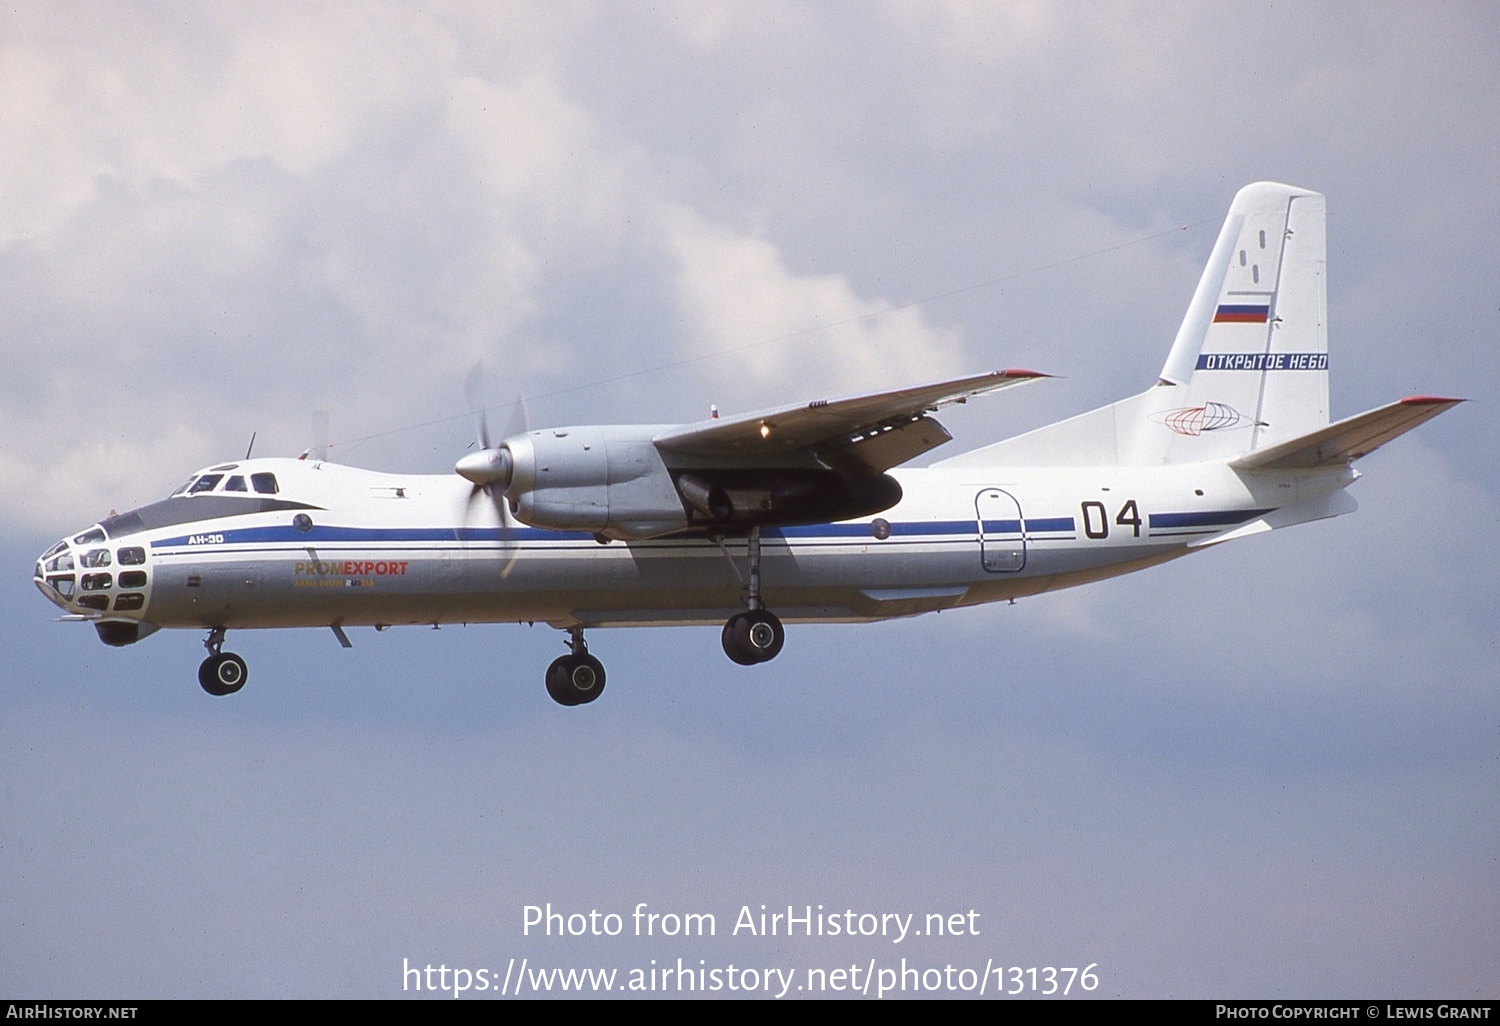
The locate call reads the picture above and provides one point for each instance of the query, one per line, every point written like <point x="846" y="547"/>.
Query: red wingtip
<point x="1429" y="400"/>
<point x="1017" y="372"/>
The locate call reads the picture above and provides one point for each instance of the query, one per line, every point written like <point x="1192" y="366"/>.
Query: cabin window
<point x="265" y="484"/>
<point x="205" y="483"/>
<point x="133" y="579"/>
<point x="134" y="555"/>
<point x="96" y="582"/>
<point x="99" y="602"/>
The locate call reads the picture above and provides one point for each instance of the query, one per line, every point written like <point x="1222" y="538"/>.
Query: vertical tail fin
<point x="1248" y="368"/>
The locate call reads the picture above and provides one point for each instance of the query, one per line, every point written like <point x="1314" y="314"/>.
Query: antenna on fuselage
<point x="251" y="446"/>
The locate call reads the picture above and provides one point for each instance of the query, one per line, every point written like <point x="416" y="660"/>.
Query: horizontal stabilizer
<point x="1332" y="504"/>
<point x="1349" y="439"/>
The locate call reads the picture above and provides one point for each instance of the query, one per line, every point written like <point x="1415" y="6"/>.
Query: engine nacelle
<point x="605" y="479"/>
<point x="611" y="480"/>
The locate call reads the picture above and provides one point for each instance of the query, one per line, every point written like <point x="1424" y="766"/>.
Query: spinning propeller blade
<point x="489" y="467"/>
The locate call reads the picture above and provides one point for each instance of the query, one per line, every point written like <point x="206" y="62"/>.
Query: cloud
<point x="785" y="331"/>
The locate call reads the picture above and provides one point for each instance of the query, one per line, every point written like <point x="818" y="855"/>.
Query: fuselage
<point x="290" y="543"/>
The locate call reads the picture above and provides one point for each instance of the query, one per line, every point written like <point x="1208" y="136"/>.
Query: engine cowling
<point x="605" y="479"/>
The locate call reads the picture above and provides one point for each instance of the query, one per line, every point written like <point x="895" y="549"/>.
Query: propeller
<point x="490" y="467"/>
<point x="318" y="451"/>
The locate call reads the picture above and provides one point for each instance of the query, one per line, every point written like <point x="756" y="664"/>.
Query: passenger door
<point x="1002" y="531"/>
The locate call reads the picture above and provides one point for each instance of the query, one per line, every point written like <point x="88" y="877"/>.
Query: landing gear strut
<point x="576" y="678"/>
<point x="756" y="635"/>
<point x="222" y="673"/>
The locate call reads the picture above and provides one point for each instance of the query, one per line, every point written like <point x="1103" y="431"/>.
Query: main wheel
<point x="753" y="637"/>
<point x="575" y="680"/>
<point x="734" y="648"/>
<point x="222" y="674"/>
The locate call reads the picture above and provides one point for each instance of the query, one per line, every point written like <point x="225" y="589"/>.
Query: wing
<point x="859" y="436"/>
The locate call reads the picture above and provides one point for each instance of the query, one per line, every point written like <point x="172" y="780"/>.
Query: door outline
<point x="1002" y="531"/>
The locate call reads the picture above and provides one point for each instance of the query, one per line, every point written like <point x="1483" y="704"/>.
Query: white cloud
<point x="786" y="334"/>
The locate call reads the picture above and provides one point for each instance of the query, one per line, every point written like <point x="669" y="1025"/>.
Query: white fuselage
<point x="339" y="546"/>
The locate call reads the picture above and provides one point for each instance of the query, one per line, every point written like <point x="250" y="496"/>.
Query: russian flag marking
<point x="1240" y="313"/>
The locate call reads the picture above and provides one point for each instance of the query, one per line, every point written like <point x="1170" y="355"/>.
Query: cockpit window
<point x="265" y="484"/>
<point x="205" y="483"/>
<point x="235" y="484"/>
<point x="90" y="537"/>
<point x="95" y="557"/>
<point x="134" y="555"/>
<point x="54" y="550"/>
<point x="185" y="486"/>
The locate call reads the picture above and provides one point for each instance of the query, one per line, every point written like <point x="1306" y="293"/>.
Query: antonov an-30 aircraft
<point x="790" y="514"/>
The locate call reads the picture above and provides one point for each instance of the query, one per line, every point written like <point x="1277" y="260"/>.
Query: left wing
<point x="859" y="435"/>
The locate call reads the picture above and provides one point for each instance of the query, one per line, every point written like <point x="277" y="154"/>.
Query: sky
<point x="1270" y="770"/>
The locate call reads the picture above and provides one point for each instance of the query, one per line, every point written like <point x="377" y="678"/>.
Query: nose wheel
<point x="222" y="673"/>
<point x="756" y="635"/>
<point x="576" y="678"/>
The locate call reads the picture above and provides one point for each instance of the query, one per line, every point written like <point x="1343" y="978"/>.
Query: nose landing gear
<point x="222" y="673"/>
<point x="576" y="678"/>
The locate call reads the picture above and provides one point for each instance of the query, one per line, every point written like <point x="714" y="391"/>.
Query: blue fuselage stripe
<point x="1211" y="518"/>
<point x="914" y="530"/>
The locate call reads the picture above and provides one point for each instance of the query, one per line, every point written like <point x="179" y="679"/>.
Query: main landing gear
<point x="756" y="635"/>
<point x="576" y="678"/>
<point x="222" y="673"/>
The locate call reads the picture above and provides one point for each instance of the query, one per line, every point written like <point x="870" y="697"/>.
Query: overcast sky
<point x="1272" y="769"/>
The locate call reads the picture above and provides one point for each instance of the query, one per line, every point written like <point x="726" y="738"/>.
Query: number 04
<point x="1096" y="519"/>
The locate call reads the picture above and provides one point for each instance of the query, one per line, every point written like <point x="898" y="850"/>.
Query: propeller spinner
<point x="486" y="467"/>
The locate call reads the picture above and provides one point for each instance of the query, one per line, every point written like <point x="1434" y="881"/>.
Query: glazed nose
<point x="54" y="575"/>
